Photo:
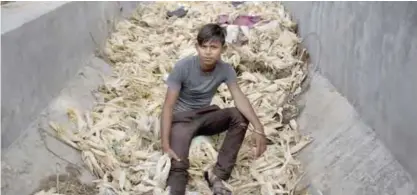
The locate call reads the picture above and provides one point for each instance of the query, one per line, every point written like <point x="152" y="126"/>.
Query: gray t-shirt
<point x="197" y="88"/>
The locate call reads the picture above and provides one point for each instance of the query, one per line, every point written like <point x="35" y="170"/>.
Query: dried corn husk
<point x="119" y="139"/>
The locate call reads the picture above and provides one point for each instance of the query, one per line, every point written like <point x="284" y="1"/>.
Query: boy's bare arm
<point x="243" y="105"/>
<point x="166" y="120"/>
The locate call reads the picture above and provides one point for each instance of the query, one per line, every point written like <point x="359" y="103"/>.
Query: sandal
<point x="216" y="184"/>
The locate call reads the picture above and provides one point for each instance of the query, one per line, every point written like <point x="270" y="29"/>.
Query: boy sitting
<point x="187" y="112"/>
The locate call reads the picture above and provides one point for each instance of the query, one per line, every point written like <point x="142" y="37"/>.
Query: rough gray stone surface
<point x="346" y="157"/>
<point x="368" y="52"/>
<point x="28" y="161"/>
<point x="44" y="44"/>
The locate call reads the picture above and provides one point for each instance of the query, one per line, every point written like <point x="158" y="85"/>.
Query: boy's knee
<point x="239" y="118"/>
<point x="180" y="166"/>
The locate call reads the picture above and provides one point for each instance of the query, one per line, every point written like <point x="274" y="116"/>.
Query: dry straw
<point x="120" y="138"/>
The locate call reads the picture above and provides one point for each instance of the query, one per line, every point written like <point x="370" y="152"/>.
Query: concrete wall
<point x="369" y="53"/>
<point x="48" y="65"/>
<point x="43" y="45"/>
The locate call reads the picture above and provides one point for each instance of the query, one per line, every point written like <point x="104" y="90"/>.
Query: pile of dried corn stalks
<point x="120" y="139"/>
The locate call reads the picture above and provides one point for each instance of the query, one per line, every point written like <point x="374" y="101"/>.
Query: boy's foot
<point x="216" y="184"/>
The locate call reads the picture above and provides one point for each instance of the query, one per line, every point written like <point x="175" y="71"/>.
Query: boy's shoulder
<point x="225" y="64"/>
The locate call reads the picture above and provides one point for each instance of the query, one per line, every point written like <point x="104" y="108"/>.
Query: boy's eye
<point x="209" y="46"/>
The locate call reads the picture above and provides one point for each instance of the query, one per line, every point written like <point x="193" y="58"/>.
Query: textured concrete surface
<point x="28" y="161"/>
<point x="48" y="65"/>
<point x="368" y="51"/>
<point x="346" y="157"/>
<point x="43" y="45"/>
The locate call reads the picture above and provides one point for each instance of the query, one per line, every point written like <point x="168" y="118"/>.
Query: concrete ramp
<point x="346" y="157"/>
<point x="367" y="51"/>
<point x="36" y="155"/>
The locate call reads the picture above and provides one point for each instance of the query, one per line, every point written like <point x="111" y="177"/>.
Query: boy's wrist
<point x="259" y="128"/>
<point x="165" y="145"/>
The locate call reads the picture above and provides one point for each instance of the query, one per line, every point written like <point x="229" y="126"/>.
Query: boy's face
<point x="209" y="52"/>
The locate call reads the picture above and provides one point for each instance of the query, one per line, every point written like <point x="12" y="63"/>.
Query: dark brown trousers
<point x="206" y="121"/>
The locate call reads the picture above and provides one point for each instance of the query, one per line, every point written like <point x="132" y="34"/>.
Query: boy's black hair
<point x="211" y="32"/>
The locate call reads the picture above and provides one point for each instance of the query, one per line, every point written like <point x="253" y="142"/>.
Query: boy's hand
<point x="260" y="141"/>
<point x="171" y="153"/>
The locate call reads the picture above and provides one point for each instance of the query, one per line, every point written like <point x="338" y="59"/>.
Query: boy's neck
<point x="208" y="69"/>
<point x="205" y="68"/>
